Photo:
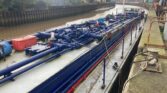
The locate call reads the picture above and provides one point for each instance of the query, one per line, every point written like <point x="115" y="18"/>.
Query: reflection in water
<point x="26" y="29"/>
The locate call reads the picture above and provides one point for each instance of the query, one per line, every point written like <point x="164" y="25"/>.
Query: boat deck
<point x="145" y="81"/>
<point x="94" y="81"/>
<point x="27" y="81"/>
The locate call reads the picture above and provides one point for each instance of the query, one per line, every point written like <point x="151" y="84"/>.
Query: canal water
<point x="27" y="29"/>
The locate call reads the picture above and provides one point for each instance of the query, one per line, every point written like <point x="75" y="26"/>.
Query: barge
<point x="71" y="55"/>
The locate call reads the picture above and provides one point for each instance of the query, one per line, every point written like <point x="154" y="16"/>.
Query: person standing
<point x="157" y="7"/>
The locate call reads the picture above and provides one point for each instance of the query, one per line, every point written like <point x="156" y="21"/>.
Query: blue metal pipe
<point x="32" y="66"/>
<point x="8" y="70"/>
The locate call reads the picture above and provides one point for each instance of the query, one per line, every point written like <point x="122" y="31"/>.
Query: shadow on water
<point x="26" y="29"/>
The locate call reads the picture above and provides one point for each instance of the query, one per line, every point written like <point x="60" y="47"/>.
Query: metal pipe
<point x="8" y="70"/>
<point x="104" y="73"/>
<point x="32" y="66"/>
<point x="131" y="34"/>
<point x="123" y="41"/>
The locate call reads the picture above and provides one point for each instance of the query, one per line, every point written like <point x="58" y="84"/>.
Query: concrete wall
<point x="22" y="17"/>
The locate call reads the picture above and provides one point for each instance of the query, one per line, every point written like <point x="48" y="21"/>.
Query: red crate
<point x="20" y="44"/>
